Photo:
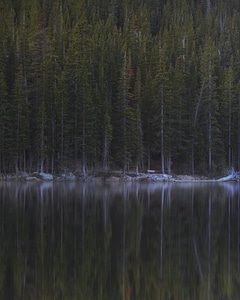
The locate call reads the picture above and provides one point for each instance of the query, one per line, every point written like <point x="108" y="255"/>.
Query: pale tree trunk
<point x="84" y="148"/>
<point x="124" y="111"/>
<point x="229" y="123"/>
<point x="162" y="131"/>
<point x="209" y="5"/>
<point x="75" y="125"/>
<point x="195" y="123"/>
<point x="193" y="165"/>
<point x="210" y="141"/>
<point x="210" y="116"/>
<point x="136" y="169"/>
<point x="105" y="151"/>
<point x="169" y="161"/>
<point x="62" y="136"/>
<point x="24" y="161"/>
<point x="42" y="148"/>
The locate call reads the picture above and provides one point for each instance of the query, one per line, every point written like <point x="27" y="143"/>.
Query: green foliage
<point x="85" y="84"/>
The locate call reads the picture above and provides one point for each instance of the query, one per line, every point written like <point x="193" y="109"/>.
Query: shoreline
<point x="115" y="176"/>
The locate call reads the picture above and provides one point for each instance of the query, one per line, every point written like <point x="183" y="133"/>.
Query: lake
<point x="75" y="240"/>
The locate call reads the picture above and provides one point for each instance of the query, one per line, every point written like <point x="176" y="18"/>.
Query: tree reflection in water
<point x="119" y="241"/>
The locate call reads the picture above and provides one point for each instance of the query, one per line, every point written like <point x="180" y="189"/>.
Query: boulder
<point x="46" y="176"/>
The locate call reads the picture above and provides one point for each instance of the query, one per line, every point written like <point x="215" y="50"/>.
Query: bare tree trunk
<point x="136" y="169"/>
<point x="124" y="111"/>
<point x="210" y="116"/>
<point x="229" y="123"/>
<point x="193" y="165"/>
<point x="105" y="152"/>
<point x="208" y="4"/>
<point x="42" y="149"/>
<point x="75" y="127"/>
<point x="62" y="136"/>
<point x="162" y="130"/>
<point x="198" y="105"/>
<point x="169" y="161"/>
<point x="84" y="148"/>
<point x="210" y="141"/>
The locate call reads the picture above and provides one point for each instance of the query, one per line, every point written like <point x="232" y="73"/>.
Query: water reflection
<point x="119" y="241"/>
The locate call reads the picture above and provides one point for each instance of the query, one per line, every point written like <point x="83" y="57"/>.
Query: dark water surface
<point x="119" y="241"/>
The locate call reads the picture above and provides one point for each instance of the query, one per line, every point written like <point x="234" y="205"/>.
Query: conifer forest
<point x="116" y="84"/>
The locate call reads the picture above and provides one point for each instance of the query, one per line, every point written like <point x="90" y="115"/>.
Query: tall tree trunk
<point x="105" y="151"/>
<point x="208" y="4"/>
<point x="84" y="148"/>
<point x="210" y="116"/>
<point x="229" y="123"/>
<point x="210" y="141"/>
<point x="162" y="130"/>
<point x="169" y="161"/>
<point x="75" y="126"/>
<point x="42" y="148"/>
<point x="192" y="160"/>
<point x="124" y="99"/>
<point x="136" y="168"/>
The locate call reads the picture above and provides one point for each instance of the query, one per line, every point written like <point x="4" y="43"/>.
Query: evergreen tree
<point x="228" y="104"/>
<point x="78" y="72"/>
<point x="21" y="121"/>
<point x="3" y="113"/>
<point x="92" y="83"/>
<point x="210" y="123"/>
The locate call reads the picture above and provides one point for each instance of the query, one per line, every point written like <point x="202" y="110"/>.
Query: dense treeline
<point x="96" y="84"/>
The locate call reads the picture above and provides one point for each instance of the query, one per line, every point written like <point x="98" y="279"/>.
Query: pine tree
<point x="21" y="121"/>
<point x="210" y="104"/>
<point x="3" y="113"/>
<point x="137" y="134"/>
<point x="228" y="104"/>
<point x="78" y="72"/>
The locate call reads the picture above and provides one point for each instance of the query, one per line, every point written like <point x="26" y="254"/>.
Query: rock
<point x="68" y="176"/>
<point x="31" y="178"/>
<point x="46" y="176"/>
<point x="154" y="177"/>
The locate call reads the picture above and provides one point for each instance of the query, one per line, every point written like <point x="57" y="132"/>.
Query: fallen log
<point x="234" y="176"/>
<point x="228" y="178"/>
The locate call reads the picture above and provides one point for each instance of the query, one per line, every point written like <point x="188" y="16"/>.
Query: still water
<point x="119" y="241"/>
